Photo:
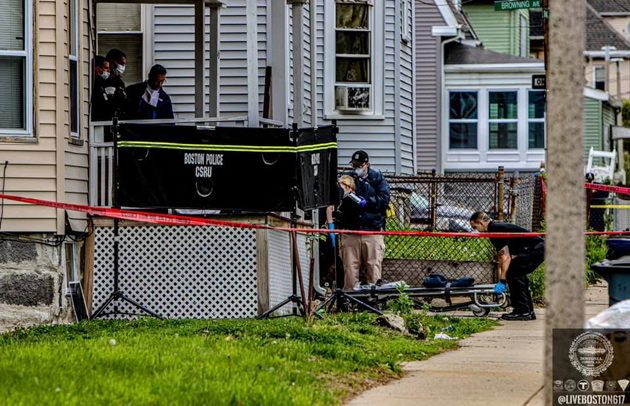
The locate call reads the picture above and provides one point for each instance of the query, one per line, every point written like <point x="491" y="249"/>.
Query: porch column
<point x="277" y="59"/>
<point x="252" y="63"/>
<point x="298" y="60"/>
<point x="200" y="57"/>
<point x="215" y="13"/>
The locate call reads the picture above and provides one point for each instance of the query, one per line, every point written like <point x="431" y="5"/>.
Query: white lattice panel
<point x="280" y="267"/>
<point x="180" y="272"/>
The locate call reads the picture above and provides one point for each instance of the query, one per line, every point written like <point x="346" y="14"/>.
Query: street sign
<point x="507" y="5"/>
<point x="539" y="82"/>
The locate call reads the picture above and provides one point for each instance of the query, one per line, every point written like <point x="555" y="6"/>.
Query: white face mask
<point x="105" y="75"/>
<point x="360" y="172"/>
<point x="120" y="69"/>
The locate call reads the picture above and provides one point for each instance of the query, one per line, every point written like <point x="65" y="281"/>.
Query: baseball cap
<point x="360" y="156"/>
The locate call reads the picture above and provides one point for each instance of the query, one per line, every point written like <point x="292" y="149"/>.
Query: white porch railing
<point x="102" y="152"/>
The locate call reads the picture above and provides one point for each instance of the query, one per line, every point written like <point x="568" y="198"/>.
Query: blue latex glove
<point x="331" y="226"/>
<point x="499" y="288"/>
<point x="362" y="203"/>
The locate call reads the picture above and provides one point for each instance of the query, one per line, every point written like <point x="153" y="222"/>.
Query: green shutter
<point x="593" y="126"/>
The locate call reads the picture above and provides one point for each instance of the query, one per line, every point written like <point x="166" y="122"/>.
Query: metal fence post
<point x="501" y="193"/>
<point x="514" y="197"/>
<point x="433" y="200"/>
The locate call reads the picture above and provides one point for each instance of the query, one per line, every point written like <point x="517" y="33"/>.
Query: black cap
<point x="360" y="156"/>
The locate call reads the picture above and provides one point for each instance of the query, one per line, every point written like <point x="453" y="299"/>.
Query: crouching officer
<point x="518" y="257"/>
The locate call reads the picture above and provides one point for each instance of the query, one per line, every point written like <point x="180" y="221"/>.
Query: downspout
<point x="442" y="116"/>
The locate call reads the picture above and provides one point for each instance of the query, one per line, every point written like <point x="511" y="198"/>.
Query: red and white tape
<point x="176" y="220"/>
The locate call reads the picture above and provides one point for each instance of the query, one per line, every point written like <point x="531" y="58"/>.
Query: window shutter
<point x="118" y="17"/>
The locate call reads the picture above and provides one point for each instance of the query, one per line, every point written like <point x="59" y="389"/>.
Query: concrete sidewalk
<point x="504" y="367"/>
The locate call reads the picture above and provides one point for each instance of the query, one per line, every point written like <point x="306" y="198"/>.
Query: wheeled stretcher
<point x="481" y="298"/>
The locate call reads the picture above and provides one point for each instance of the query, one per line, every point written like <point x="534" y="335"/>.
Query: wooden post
<point x="298" y="60"/>
<point x="215" y="71"/>
<point x="565" y="246"/>
<point x="267" y="100"/>
<point x="200" y="58"/>
<point x="501" y="194"/>
<point x="253" y="117"/>
<point x="514" y="197"/>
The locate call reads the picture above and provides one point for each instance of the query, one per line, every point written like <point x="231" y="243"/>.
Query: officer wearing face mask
<point x="114" y="85"/>
<point x="364" y="206"/>
<point x="99" y="97"/>
<point x="148" y="100"/>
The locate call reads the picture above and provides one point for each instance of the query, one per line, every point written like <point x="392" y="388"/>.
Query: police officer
<point x="518" y="257"/>
<point x="363" y="207"/>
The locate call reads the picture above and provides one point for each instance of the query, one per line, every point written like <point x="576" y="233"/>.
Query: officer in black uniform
<point x="518" y="257"/>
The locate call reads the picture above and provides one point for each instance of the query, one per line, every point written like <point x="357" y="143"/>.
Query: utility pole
<point x="565" y="134"/>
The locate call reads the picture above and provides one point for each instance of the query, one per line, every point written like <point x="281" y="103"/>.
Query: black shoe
<point x="533" y="315"/>
<point x="518" y="316"/>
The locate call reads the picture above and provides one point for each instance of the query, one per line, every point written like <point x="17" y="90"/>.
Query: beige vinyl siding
<point x="76" y="156"/>
<point x="46" y="166"/>
<point x="31" y="171"/>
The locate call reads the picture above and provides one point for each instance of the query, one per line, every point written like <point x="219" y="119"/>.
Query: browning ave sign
<point x="516" y="4"/>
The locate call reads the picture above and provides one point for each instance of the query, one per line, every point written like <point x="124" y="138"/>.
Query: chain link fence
<point x="434" y="202"/>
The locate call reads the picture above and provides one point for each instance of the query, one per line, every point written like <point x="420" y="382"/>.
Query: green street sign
<point x="507" y="5"/>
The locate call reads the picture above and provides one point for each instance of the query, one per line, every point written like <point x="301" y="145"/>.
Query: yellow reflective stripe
<point x="607" y="206"/>
<point x="227" y="148"/>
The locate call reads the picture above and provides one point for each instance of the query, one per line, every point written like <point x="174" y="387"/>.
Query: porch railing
<point x="102" y="152"/>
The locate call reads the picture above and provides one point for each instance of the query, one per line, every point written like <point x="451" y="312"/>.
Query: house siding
<point x="499" y="31"/>
<point x="378" y="136"/>
<point x="427" y="86"/>
<point x="32" y="167"/>
<point x="174" y="47"/>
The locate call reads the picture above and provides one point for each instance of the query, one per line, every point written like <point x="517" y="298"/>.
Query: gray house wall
<point x="174" y="43"/>
<point x="388" y="139"/>
<point x="428" y="86"/>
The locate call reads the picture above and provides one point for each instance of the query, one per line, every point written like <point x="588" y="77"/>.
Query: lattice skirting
<point x="195" y="272"/>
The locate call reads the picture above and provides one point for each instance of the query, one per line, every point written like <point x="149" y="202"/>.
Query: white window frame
<point x="595" y="69"/>
<point x="70" y="261"/>
<point x="27" y="55"/>
<point x="478" y="120"/>
<point x="74" y="57"/>
<point x="377" y="55"/>
<point x="146" y="34"/>
<point x="503" y="120"/>
<point x="524" y="35"/>
<point x="536" y="120"/>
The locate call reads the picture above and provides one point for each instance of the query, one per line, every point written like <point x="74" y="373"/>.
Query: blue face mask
<point x="105" y="75"/>
<point x="360" y="172"/>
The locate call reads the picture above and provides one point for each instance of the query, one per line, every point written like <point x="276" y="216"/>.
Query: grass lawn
<point x="218" y="362"/>
<point x="439" y="248"/>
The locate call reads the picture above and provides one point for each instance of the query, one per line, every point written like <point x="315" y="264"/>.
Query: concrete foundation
<point x="32" y="283"/>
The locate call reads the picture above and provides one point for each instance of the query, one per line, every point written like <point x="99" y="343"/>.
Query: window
<point x="72" y="275"/>
<point x="463" y="120"/>
<point x="503" y="120"/>
<point x="120" y="26"/>
<point x="536" y="113"/>
<point x="353" y="56"/>
<point x="524" y="36"/>
<point x="73" y="42"/>
<point x="599" y="78"/>
<point x="16" y="67"/>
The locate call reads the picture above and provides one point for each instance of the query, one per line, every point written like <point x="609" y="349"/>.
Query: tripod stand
<point x="118" y="295"/>
<point x="299" y="302"/>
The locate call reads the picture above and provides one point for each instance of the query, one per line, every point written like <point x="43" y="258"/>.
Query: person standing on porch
<point x="148" y="100"/>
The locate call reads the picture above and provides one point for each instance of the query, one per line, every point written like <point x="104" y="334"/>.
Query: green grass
<point x="224" y="362"/>
<point x="439" y="248"/>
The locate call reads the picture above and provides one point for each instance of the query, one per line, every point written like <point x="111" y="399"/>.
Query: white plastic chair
<point x="605" y="171"/>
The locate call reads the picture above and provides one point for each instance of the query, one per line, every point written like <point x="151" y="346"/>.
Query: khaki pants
<point x="357" y="250"/>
